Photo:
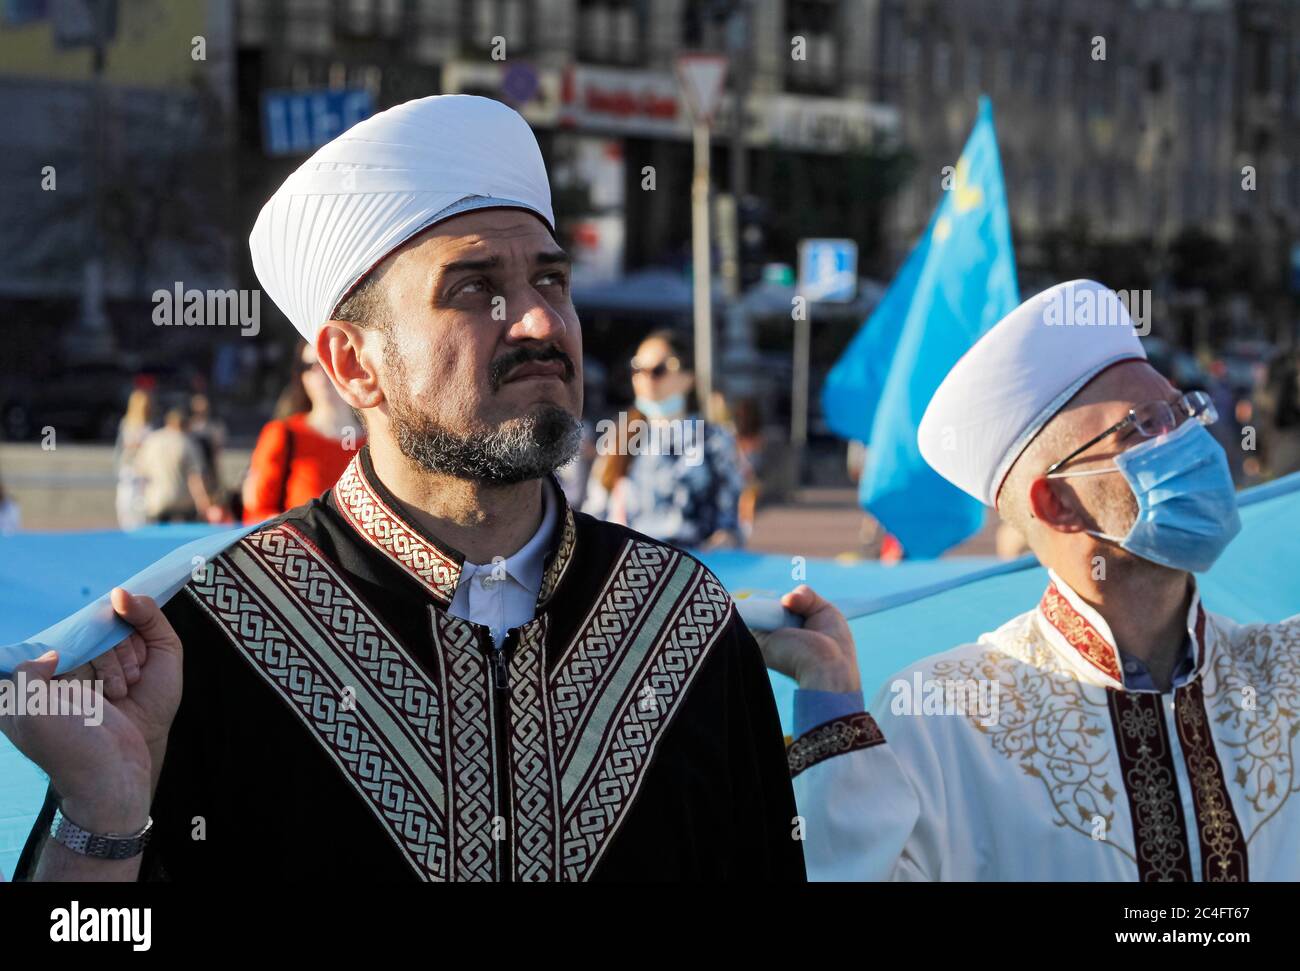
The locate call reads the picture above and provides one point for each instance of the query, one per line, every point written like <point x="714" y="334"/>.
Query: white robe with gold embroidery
<point x="1075" y="778"/>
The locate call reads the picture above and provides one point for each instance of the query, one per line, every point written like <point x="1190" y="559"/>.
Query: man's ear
<point x="1054" y="506"/>
<point x="351" y="357"/>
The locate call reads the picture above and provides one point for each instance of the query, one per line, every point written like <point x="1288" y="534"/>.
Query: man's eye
<point x="471" y="287"/>
<point x="555" y="279"/>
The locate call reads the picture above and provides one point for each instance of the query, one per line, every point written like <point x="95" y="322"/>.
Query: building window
<point x="1037" y="71"/>
<point x="974" y="66"/>
<point x="1005" y="80"/>
<point x="911" y="63"/>
<point x="1281" y="179"/>
<point x="1128" y="92"/>
<point x="704" y="27"/>
<point x="609" y="31"/>
<point x="1295" y="80"/>
<point x="483" y="21"/>
<point x="368" y="18"/>
<point x="816" y="21"/>
<point x="942" y="65"/>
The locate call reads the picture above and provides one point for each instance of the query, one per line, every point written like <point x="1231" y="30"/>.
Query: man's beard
<point x="523" y="448"/>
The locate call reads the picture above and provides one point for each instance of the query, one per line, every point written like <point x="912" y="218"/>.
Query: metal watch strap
<point x="102" y="846"/>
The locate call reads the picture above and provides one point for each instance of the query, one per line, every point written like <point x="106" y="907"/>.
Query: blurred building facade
<point x="796" y="137"/>
<point x="1124" y="159"/>
<point x="1118" y="111"/>
<point x="1149" y="142"/>
<point x="115" y="183"/>
<point x="1267" y="130"/>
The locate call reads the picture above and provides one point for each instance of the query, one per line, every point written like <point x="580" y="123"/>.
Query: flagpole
<point x="702" y="269"/>
<point x="799" y="384"/>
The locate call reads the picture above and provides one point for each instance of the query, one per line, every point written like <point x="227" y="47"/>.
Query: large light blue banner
<point x="900" y="614"/>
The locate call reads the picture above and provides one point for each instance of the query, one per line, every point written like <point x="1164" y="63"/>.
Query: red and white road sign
<point x="701" y="77"/>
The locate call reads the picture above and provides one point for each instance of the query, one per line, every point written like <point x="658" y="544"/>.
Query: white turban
<point x="380" y="183"/>
<point x="1017" y="376"/>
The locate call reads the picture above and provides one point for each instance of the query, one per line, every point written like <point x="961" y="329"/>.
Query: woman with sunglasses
<point x="304" y="449"/>
<point x="680" y="481"/>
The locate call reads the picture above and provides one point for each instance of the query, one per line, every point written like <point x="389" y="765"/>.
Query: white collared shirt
<point x="503" y="595"/>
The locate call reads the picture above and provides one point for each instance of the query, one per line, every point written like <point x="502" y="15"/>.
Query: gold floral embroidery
<point x="1223" y="851"/>
<point x="1082" y="636"/>
<point x="1254" y="692"/>
<point x="1054" y="727"/>
<point x="1150" y="782"/>
<point x="835" y="737"/>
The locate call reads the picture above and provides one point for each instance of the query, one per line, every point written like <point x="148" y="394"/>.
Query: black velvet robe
<point x="338" y="723"/>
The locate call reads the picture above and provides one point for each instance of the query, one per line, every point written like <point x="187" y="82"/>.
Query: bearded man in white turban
<point x="1117" y="730"/>
<point x="437" y="670"/>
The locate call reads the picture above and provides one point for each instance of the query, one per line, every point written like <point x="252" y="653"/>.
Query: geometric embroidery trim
<point x="310" y="672"/>
<point x="563" y="556"/>
<point x="389" y="533"/>
<point x="473" y="801"/>
<point x="423" y="753"/>
<point x="438" y="572"/>
<point x="606" y="635"/>
<point x="601" y="800"/>
<point x="535" y="787"/>
<point x="847" y="733"/>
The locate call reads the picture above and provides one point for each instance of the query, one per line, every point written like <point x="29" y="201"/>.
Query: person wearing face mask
<point x="674" y="476"/>
<point x="1132" y="733"/>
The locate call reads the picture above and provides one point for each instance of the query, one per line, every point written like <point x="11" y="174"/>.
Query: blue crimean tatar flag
<point x="958" y="281"/>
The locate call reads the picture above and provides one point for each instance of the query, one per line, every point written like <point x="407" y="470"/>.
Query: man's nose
<point x="539" y="321"/>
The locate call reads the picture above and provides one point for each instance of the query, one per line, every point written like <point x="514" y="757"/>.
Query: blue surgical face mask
<point x="670" y="406"/>
<point x="1187" y="505"/>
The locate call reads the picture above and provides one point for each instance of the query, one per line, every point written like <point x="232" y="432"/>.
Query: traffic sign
<point x="701" y="77"/>
<point x="828" y="270"/>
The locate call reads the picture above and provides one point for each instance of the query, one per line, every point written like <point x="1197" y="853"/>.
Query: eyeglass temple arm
<point x="1127" y="419"/>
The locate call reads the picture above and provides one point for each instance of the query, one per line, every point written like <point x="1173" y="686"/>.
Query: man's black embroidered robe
<point x="338" y="723"/>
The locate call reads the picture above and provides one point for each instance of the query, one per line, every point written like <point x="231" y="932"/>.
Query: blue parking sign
<point x="828" y="270"/>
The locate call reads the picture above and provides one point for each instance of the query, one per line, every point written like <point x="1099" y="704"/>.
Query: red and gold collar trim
<point x="1086" y="632"/>
<point x="372" y="511"/>
<point x="1080" y="634"/>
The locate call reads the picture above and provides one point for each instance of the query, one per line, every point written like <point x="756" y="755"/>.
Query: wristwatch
<point x="102" y="846"/>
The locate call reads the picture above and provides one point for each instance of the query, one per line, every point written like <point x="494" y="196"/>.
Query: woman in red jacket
<point x="300" y="456"/>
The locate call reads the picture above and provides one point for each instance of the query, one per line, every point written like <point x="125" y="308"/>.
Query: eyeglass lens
<point x="1158" y="417"/>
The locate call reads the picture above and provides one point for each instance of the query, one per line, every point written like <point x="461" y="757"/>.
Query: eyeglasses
<point x="304" y="366"/>
<point x="657" y="370"/>
<point x="1151" y="419"/>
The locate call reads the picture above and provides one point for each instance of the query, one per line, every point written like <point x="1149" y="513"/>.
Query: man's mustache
<point x="510" y="360"/>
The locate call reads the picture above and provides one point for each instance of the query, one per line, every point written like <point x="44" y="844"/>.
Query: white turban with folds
<point x="380" y="183"/>
<point x="1017" y="376"/>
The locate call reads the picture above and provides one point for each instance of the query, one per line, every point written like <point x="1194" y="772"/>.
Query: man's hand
<point x="820" y="656"/>
<point x="105" y="772"/>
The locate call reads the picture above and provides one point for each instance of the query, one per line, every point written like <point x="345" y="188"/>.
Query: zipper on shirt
<point x="500" y="671"/>
<point x="499" y="664"/>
